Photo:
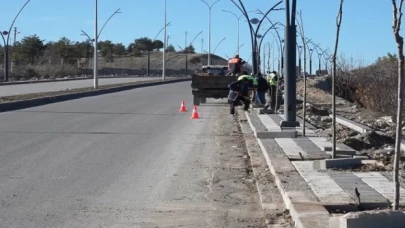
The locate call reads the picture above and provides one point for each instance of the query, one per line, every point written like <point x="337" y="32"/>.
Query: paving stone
<point x="277" y="118"/>
<point x="255" y="123"/>
<point x="304" y="206"/>
<point x="309" y="147"/>
<point x="269" y="123"/>
<point x="291" y="149"/>
<point x="331" y="195"/>
<point x="325" y="145"/>
<point x="382" y="185"/>
<point x="370" y="199"/>
<point x="261" y="131"/>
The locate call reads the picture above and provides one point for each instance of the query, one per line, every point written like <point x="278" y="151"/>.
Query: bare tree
<point x="304" y="45"/>
<point x="334" y="60"/>
<point x="397" y="14"/>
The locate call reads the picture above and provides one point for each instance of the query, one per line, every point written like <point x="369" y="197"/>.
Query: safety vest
<point x="234" y="65"/>
<point x="271" y="80"/>
<point x="253" y="79"/>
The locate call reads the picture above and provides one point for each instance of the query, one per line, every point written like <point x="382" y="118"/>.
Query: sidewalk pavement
<point x="315" y="188"/>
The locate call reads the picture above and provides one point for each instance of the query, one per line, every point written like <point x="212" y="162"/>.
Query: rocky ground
<point x="379" y="146"/>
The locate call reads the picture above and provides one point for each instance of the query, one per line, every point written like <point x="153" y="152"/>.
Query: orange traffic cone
<point x="195" y="113"/>
<point x="183" y="107"/>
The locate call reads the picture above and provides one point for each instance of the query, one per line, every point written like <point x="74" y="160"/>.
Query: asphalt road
<point x="10" y="90"/>
<point x="127" y="159"/>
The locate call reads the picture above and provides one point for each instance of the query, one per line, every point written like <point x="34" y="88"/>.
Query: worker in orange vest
<point x="235" y="65"/>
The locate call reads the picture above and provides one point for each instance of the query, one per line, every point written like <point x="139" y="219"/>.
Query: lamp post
<point x="253" y="33"/>
<point x="95" y="54"/>
<point x="6" y="42"/>
<point x="185" y="49"/>
<point x="299" y="59"/>
<point x="237" y="51"/>
<point x="281" y="41"/>
<point x="238" y="18"/>
<point x="164" y="43"/>
<point x="14" y="45"/>
<point x="290" y="99"/>
<point x="320" y="54"/>
<point x="218" y="44"/>
<point x="311" y="52"/>
<point x="154" y="39"/>
<point x="209" y="29"/>
<point x="95" y="41"/>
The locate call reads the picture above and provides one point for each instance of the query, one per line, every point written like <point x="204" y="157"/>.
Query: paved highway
<point x="10" y="90"/>
<point x="127" y="159"/>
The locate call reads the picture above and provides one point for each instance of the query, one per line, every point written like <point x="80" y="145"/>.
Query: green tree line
<point x="34" y="50"/>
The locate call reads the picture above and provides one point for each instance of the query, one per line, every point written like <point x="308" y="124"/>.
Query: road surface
<point x="127" y="159"/>
<point x="11" y="90"/>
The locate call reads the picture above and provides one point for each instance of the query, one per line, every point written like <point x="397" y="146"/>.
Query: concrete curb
<point x="16" y="105"/>
<point x="369" y="219"/>
<point x="270" y="198"/>
<point x="361" y="128"/>
<point x="306" y="213"/>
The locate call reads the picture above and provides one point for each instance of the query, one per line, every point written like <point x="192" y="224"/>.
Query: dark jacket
<point x="240" y="87"/>
<point x="262" y="84"/>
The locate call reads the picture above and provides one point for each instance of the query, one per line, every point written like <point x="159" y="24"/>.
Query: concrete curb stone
<point x="270" y="198"/>
<point x="305" y="209"/>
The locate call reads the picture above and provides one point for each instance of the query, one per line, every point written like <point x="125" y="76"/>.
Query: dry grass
<point x="127" y="65"/>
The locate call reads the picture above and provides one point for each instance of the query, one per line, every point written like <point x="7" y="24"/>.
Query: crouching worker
<point x="253" y="84"/>
<point x="239" y="94"/>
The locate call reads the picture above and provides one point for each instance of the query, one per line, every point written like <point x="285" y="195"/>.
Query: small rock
<point x="326" y="119"/>
<point x="317" y="118"/>
<point x="245" y="156"/>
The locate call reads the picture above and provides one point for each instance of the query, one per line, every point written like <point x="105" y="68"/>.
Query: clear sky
<point x="366" y="27"/>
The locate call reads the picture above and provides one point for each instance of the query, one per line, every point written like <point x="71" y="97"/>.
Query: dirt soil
<point x="376" y="146"/>
<point x="278" y="216"/>
<point x="69" y="91"/>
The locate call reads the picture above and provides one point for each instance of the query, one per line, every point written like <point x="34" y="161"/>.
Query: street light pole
<point x="254" y="33"/>
<point x="6" y="42"/>
<point x="209" y="29"/>
<point x="218" y="45"/>
<point x="95" y="57"/>
<point x="154" y="39"/>
<point x="311" y="51"/>
<point x="95" y="41"/>
<point x="238" y="19"/>
<point x="299" y="60"/>
<point x="164" y="44"/>
<point x="290" y="99"/>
